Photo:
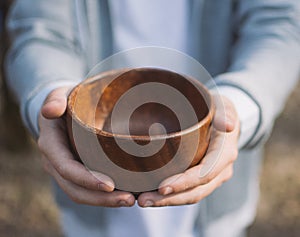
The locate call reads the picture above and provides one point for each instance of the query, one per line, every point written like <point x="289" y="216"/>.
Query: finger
<point x="221" y="152"/>
<point x="225" y="118"/>
<point x="81" y="195"/>
<point x="191" y="196"/>
<point x="56" y="103"/>
<point x="60" y="156"/>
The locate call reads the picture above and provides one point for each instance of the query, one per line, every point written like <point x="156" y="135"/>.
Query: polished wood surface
<point x="102" y="93"/>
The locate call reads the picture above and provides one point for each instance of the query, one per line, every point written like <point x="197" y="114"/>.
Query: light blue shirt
<point x="149" y="23"/>
<point x="138" y="23"/>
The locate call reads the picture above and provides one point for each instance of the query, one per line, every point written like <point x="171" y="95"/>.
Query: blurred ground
<point x="27" y="207"/>
<point x="279" y="208"/>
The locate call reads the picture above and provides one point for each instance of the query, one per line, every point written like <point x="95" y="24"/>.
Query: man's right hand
<point x="80" y="184"/>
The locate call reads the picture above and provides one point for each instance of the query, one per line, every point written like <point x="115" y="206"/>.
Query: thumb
<point x="226" y="117"/>
<point x="55" y="103"/>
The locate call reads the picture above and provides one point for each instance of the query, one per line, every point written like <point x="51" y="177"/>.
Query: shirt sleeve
<point x="35" y="104"/>
<point x="265" y="60"/>
<point x="44" y="51"/>
<point x="247" y="111"/>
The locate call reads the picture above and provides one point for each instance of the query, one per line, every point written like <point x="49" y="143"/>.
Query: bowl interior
<point x="93" y="102"/>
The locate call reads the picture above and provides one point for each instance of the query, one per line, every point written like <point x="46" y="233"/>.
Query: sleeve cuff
<point x="35" y="104"/>
<point x="247" y="110"/>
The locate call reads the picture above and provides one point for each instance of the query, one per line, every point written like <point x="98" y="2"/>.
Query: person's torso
<point x="207" y="28"/>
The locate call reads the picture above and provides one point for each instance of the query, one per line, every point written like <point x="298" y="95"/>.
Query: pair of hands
<point x="97" y="189"/>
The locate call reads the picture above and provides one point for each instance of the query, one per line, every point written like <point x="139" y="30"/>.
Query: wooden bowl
<point x="100" y="146"/>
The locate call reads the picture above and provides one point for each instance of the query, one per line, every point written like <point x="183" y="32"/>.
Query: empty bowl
<point x="139" y="126"/>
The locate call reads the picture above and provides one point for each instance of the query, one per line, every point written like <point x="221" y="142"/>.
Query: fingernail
<point x="103" y="179"/>
<point x="102" y="186"/>
<point x="168" y="190"/>
<point x="229" y="124"/>
<point x="148" y="203"/>
<point x="122" y="203"/>
<point x="107" y="183"/>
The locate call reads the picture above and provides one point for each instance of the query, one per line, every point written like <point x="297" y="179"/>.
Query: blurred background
<point x="27" y="207"/>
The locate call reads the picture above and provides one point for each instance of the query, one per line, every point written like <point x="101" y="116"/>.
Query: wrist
<point x="35" y="104"/>
<point x="247" y="111"/>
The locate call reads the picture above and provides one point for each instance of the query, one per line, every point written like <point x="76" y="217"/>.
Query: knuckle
<point x="185" y="185"/>
<point x="235" y="154"/>
<point x="193" y="200"/>
<point x="231" y="155"/>
<point x="229" y="174"/>
<point x="205" y="179"/>
<point x="220" y="184"/>
<point x="76" y="199"/>
<point x="84" y="182"/>
<point x="209" y="177"/>
<point x="196" y="198"/>
<point x="40" y="143"/>
<point x="62" y="170"/>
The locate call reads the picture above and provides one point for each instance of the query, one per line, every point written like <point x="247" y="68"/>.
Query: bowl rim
<point x="207" y="119"/>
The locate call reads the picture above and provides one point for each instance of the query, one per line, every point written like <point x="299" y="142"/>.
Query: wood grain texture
<point x="102" y="93"/>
